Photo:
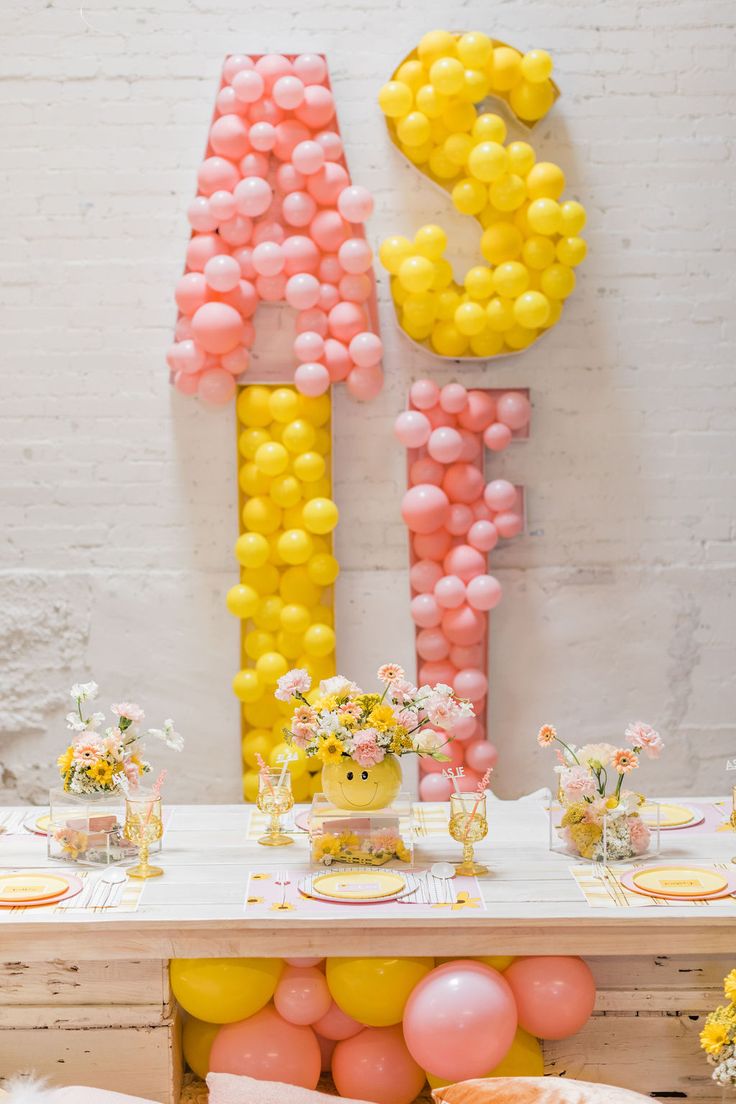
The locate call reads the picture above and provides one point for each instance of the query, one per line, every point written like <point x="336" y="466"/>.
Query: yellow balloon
<point x="441" y="166"/>
<point x="271" y="458"/>
<point x="536" y="66"/>
<point x="319" y="641"/>
<point x="447" y="75"/>
<point x="395" y="99"/>
<point x="261" y="515"/>
<point x="284" y="404"/>
<point x="489" y="128"/>
<point x="458" y="116"/>
<point x="258" y="642"/>
<point x="419" y="311"/>
<point x="435" y="44"/>
<point x="256" y="742"/>
<point x="323" y="615"/>
<point x="524" y="1059"/>
<point x="309" y="467"/>
<point x="315" y="409"/>
<point x="519" y="337"/>
<point x="298" y="436"/>
<point x="289" y="644"/>
<point x="430" y="102"/>
<point x="262" y="713"/>
<point x="448" y="341"/>
<point x="558" y="281"/>
<point x="320" y="515"/>
<point x="254" y="407"/>
<point x="443" y="276"/>
<point x="521" y="157"/>
<point x="543" y="216"/>
<point x="470" y="318"/>
<point x="320" y="489"/>
<point x="571" y="251"/>
<point x="286" y="491"/>
<point x="531" y="309"/>
<point x="268" y="613"/>
<point x="296" y="586"/>
<point x="264" y="580"/>
<point x="545" y="181"/>
<point x="270" y="667"/>
<point x="300" y="788"/>
<point x="374" y="991"/>
<point x="295" y="546"/>
<point x="538" y="252"/>
<point x="197" y="1038"/>
<point x="431" y="241"/>
<point x="487" y="161"/>
<point x="413" y="129"/>
<point x="474" y="49"/>
<point x="252" y="481"/>
<point x="242" y="600"/>
<point x="393" y="251"/>
<point x="296" y="755"/>
<point x="469" y="196"/>
<point x="511" y="279"/>
<point x="496" y="962"/>
<point x="295" y="618"/>
<point x="411" y="73"/>
<point x="323" y="569"/>
<point x="486" y="344"/>
<point x="252" y="550"/>
<point x="416" y="274"/>
<point x="247" y="685"/>
<point x="508" y="192"/>
<point x="223" y="990"/>
<point x="505" y="68"/>
<point x="500" y="314"/>
<point x="251" y="782"/>
<point x="250" y="441"/>
<point x="572" y="217"/>
<point x="531" y="101"/>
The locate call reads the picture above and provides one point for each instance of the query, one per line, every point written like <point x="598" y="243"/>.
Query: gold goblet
<point x="468" y="825"/>
<point x="275" y="798"/>
<point x="143" y="826"/>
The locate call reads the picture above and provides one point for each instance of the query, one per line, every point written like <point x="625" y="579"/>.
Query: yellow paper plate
<point x="31" y="887"/>
<point x="359" y="885"/>
<point x="43" y="822"/>
<point x="680" y="881"/>
<point x="670" y="816"/>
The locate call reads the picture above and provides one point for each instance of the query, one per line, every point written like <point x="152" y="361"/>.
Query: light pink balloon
<point x="183" y="329"/>
<point x="237" y="230"/>
<point x="326" y="1050"/>
<point x="426" y="470"/>
<point x="479" y="413"/>
<point x="484" y="592"/>
<point x="453" y="398"/>
<point x="190" y="292"/>
<point x="346" y="320"/>
<point x="366" y="349"/>
<point x="464" y="728"/>
<point x="236" y="361"/>
<point x="201" y="248"/>
<point x="309" y="346"/>
<point x="302" y="291"/>
<point x="500" y="495"/>
<point x="222" y="205"/>
<point x="459" y="519"/>
<point x="439" y="417"/>
<point x="469" y="781"/>
<point x="432" y="546"/>
<point x="288" y="92"/>
<point x="248" y="86"/>
<point x="445" y="444"/>
<point x="301" y="254"/>
<point x="262" y="137"/>
<point x="460" y="1020"/>
<point x="330" y="269"/>
<point x="216" y="173"/>
<point x="355" y="203"/>
<point x="268" y="258"/>
<point x="267" y="1048"/>
<point x="377" y="1064"/>
<point x="449" y="591"/>
<point x="412" y="429"/>
<point x="227" y="102"/>
<point x="432" y="644"/>
<point x="555" y="994"/>
<point x="424" y="394"/>
<point x="483" y="535"/>
<point x="312" y="379"/>
<point x="222" y="273"/>
<point x="508" y="524"/>
<point x="289" y="134"/>
<point x="481" y="756"/>
<point x="434" y="671"/>
<point x="513" y="409"/>
<point x="310" y="68"/>
<point x="433" y="787"/>
<point x="424" y="576"/>
<point x="200" y="215"/>
<point x="253" y="196"/>
<point x="235" y="63"/>
<point x="463" y="482"/>
<point x="271" y="288"/>
<point x="273" y="66"/>
<point x="465" y="562"/>
<point x="243" y="298"/>
<point x="302" y="996"/>
<point x="424" y="507"/>
<point x="329" y="297"/>
<point x="229" y="137"/>
<point x="471" y="449"/>
<point x="464" y="625"/>
<point x="424" y="611"/>
<point x="331" y="143"/>
<point x="185" y="356"/>
<point x="470" y="683"/>
<point x="217" y="328"/>
<point x="266" y="111"/>
<point x="365" y="384"/>
<point x="299" y="209"/>
<point x="355" y="256"/>
<point x="216" y="386"/>
<point x="308" y="157"/>
<point x="288" y="179"/>
<point x="337" y="1025"/>
<point x="328" y="229"/>
<point x="481" y="511"/>
<point x="317" y="108"/>
<point x="254" y="164"/>
<point x="337" y="358"/>
<point x="244" y="257"/>
<point x="356" y="289"/>
<point x="497" y="437"/>
<point x="313" y="319"/>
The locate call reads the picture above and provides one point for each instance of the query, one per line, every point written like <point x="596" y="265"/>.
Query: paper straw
<point x="482" y="787"/>
<point x="282" y="776"/>
<point x="264" y="772"/>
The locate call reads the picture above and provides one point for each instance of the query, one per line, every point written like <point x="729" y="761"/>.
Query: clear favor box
<point x="362" y="839"/>
<point x="88" y="828"/>
<point x="606" y="839"/>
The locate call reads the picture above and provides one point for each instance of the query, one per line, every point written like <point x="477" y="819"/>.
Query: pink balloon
<point x="273" y="66"/>
<point x="445" y="444"/>
<point x="481" y="756"/>
<point x="268" y="258"/>
<point x="267" y="1048"/>
<point x="329" y="297"/>
<point x="300" y="254"/>
<point x="201" y="248"/>
<point x="432" y="546"/>
<point x="508" y="524"/>
<point x="470" y="683"/>
<point x="262" y="137"/>
<point x="312" y="379"/>
<point x="330" y="269"/>
<point x="337" y="359"/>
<point x="433" y="787"/>
<point x="288" y="92"/>
<point x="555" y="994"/>
<point x="236" y="362"/>
<point x="439" y="417"/>
<point x="376" y="1064"/>
<point x="289" y="134"/>
<point x="356" y="288"/>
<point x="191" y="292"/>
<point x="366" y="349"/>
<point x="424" y="507"/>
<point x="479" y="413"/>
<point x="483" y="535"/>
<point x="435" y="671"/>
<point x="451" y="748"/>
<point x="309" y="346"/>
<point x="228" y="103"/>
<point x="229" y="137"/>
<point x="484" y="592"/>
<point x="253" y="196"/>
<point x="288" y="179"/>
<point x="248" y="86"/>
<point x="217" y="328"/>
<point x="481" y="511"/>
<point x="308" y="157"/>
<point x="326" y="1050"/>
<point x="310" y="68"/>
<point x="460" y="1020"/>
<point x="426" y="470"/>
<point x="254" y="164"/>
<point x="327" y="183"/>
<point x="186" y="356"/>
<point x="328" y="229"/>
<point x="463" y="728"/>
<point x="222" y="205"/>
<point x="331" y="143"/>
<point x="463" y="482"/>
<point x="500" y="495"/>
<point x="346" y="320"/>
<point x="302" y="291"/>
<point x="303" y="962"/>
<point x="317" y="108"/>
<point x="464" y="625"/>
<point x="271" y="288"/>
<point x="299" y="209"/>
<point x="266" y="111"/>
<point x="449" y="591"/>
<point x="497" y="437"/>
<point x="423" y="576"/>
<point x="355" y="203"/>
<point x="424" y="394"/>
<point x="469" y="781"/>
<point x="237" y="230"/>
<point x="216" y="173"/>
<point x="412" y="429"/>
<point x="216" y="386"/>
<point x="243" y="298"/>
<point x="313" y="319"/>
<point x="513" y="409"/>
<point x="465" y="562"/>
<point x="222" y="273"/>
<point x="244" y="257"/>
<point x="424" y="611"/>
<point x="432" y="644"/>
<point x="200" y="215"/>
<point x="459" y="519"/>
<point x="337" y="1025"/>
<point x="471" y="449"/>
<point x="365" y="384"/>
<point x="183" y="329"/>
<point x="453" y="398"/>
<point x="234" y="64"/>
<point x="355" y="256"/>
<point x="302" y="996"/>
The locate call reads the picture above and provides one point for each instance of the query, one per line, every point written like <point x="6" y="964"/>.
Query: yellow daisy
<point x="382" y="717"/>
<point x="729" y="986"/>
<point x="330" y="749"/>
<point x="101" y="772"/>
<point x="64" y="761"/>
<point x="713" y="1038"/>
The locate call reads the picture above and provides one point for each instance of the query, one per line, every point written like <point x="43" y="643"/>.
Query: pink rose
<point x="366" y="749"/>
<point x="292" y="683"/>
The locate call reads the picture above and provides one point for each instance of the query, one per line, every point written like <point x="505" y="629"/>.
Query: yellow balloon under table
<point x="285" y="597"/>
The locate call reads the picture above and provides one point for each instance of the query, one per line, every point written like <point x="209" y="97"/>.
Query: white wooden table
<point x="658" y="970"/>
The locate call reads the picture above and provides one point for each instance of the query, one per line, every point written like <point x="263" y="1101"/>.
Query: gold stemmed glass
<point x="275" y="798"/>
<point x="468" y="825"/>
<point x="143" y="826"/>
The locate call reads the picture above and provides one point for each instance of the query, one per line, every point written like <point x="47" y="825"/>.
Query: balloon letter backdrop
<point x="276" y="218"/>
<point x="530" y="237"/>
<point x="381" y="1026"/>
<point x="455" y="519"/>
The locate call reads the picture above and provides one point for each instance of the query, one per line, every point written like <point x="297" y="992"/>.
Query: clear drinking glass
<point x="468" y="825"/>
<point x="275" y="798"/>
<point x="143" y="826"/>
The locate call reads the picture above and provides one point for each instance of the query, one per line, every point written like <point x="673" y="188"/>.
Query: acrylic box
<point x="88" y="828"/>
<point x="363" y="839"/>
<point x="606" y="839"/>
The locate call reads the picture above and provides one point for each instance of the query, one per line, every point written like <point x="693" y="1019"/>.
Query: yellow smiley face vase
<point x="350" y="786"/>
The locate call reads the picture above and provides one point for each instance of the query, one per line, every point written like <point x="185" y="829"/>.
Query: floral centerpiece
<point x="601" y="819"/>
<point x="359" y="735"/>
<point x="718" y="1037"/>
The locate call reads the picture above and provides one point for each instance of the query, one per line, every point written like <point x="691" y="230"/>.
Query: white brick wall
<point x="118" y="503"/>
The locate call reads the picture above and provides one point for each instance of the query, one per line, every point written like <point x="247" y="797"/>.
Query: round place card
<point x="359" y="885"/>
<point x="680" y="881"/>
<point x="19" y="887"/>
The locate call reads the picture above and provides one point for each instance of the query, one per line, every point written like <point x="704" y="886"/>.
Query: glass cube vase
<point x="605" y="839"/>
<point x="375" y="838"/>
<point x="88" y="828"/>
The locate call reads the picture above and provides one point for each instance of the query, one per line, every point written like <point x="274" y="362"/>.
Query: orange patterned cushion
<point x="534" y="1090"/>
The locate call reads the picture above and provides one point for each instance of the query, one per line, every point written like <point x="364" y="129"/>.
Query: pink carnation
<point x="366" y="750"/>
<point x="577" y="783"/>
<point x="292" y="683"/>
<point x="130" y="711"/>
<point x="639" y="835"/>
<point x="402" y="691"/>
<point x="302" y="735"/>
<point x="643" y="736"/>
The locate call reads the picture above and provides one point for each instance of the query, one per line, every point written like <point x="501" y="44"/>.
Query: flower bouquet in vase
<point x="718" y="1040"/>
<point x="595" y="816"/>
<point x="98" y="770"/>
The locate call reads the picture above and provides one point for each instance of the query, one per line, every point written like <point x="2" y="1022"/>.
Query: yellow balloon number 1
<point x="531" y="235"/>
